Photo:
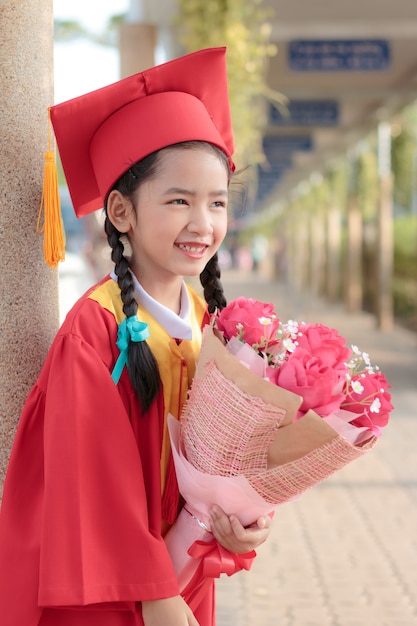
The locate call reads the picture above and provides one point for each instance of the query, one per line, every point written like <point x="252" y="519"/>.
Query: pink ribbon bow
<point x="214" y="561"/>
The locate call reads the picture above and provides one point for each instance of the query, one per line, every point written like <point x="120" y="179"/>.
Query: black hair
<point x="142" y="365"/>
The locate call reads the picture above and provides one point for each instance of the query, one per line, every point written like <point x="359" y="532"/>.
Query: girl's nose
<point x="200" y="222"/>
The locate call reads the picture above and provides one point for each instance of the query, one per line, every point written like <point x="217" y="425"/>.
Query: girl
<point x="91" y="488"/>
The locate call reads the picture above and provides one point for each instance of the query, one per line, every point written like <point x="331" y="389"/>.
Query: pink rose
<point x="327" y="345"/>
<point x="252" y="321"/>
<point x="369" y="397"/>
<point x="308" y="376"/>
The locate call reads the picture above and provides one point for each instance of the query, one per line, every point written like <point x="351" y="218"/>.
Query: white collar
<point x="177" y="326"/>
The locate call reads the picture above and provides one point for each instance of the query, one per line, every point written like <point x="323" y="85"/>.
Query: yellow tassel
<point x="52" y="226"/>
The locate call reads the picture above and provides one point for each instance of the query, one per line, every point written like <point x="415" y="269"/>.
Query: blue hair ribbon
<point x="131" y="329"/>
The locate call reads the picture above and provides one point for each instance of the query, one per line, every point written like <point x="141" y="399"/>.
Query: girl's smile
<point x="193" y="250"/>
<point x="179" y="219"/>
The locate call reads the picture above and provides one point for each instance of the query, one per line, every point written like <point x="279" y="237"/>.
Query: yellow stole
<point x="176" y="362"/>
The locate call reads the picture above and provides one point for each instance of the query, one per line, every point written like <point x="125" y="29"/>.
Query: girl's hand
<point x="230" y="533"/>
<point x="168" y="612"/>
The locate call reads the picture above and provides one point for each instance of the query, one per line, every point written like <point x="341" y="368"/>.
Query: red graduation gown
<point x="80" y="525"/>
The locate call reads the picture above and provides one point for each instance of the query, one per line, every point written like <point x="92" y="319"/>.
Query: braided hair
<point x="141" y="364"/>
<point x="213" y="289"/>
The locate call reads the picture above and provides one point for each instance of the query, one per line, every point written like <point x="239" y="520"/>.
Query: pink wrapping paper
<point x="237" y="445"/>
<point x="233" y="494"/>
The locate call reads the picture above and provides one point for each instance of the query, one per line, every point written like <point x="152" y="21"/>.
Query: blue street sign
<point x="307" y="113"/>
<point x="267" y="182"/>
<point x="274" y="145"/>
<point x="278" y="161"/>
<point x="356" y="55"/>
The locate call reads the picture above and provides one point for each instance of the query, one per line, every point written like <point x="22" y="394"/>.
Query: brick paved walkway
<point x="345" y="553"/>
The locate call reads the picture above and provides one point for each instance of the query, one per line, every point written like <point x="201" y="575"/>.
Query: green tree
<point x="403" y="155"/>
<point x="367" y="184"/>
<point x="67" y="30"/>
<point x="242" y="26"/>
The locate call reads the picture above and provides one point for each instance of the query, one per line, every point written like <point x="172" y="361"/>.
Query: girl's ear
<point x="120" y="211"/>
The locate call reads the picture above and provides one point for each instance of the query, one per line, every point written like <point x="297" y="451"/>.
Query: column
<point x="138" y="39"/>
<point x="149" y="35"/>
<point x="353" y="290"/>
<point x="317" y="249"/>
<point x="29" y="309"/>
<point x="137" y="47"/>
<point x="333" y="247"/>
<point x="385" y="261"/>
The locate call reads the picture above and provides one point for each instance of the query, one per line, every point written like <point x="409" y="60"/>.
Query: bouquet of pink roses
<point x="274" y="409"/>
<point x="312" y="361"/>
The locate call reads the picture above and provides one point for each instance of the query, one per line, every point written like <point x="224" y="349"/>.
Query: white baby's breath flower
<point x="356" y="350"/>
<point x="265" y="321"/>
<point x="366" y="358"/>
<point x="375" y="406"/>
<point x="356" y="386"/>
<point x="289" y="344"/>
<point x="292" y="327"/>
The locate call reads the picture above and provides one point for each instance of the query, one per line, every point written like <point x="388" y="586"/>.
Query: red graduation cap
<point x="100" y="135"/>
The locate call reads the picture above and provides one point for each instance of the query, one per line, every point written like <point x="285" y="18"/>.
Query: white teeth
<point x="192" y="249"/>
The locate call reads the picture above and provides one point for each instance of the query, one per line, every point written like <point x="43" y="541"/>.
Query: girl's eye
<point x="220" y="204"/>
<point x="178" y="201"/>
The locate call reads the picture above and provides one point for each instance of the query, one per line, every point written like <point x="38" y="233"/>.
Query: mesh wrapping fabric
<point x="285" y="482"/>
<point x="226" y="431"/>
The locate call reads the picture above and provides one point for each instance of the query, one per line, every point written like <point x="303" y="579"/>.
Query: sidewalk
<point x="345" y="553"/>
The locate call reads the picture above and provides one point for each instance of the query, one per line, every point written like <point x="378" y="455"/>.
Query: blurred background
<point x="324" y="106"/>
<point x="323" y="224"/>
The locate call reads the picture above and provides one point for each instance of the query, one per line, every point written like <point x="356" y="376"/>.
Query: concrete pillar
<point x="385" y="315"/>
<point x="293" y="253"/>
<point x="317" y="250"/>
<point x="149" y="36"/>
<point x="301" y="252"/>
<point x="137" y="39"/>
<point x="137" y="46"/>
<point x="29" y="289"/>
<point x="333" y="247"/>
<point x="353" y="266"/>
